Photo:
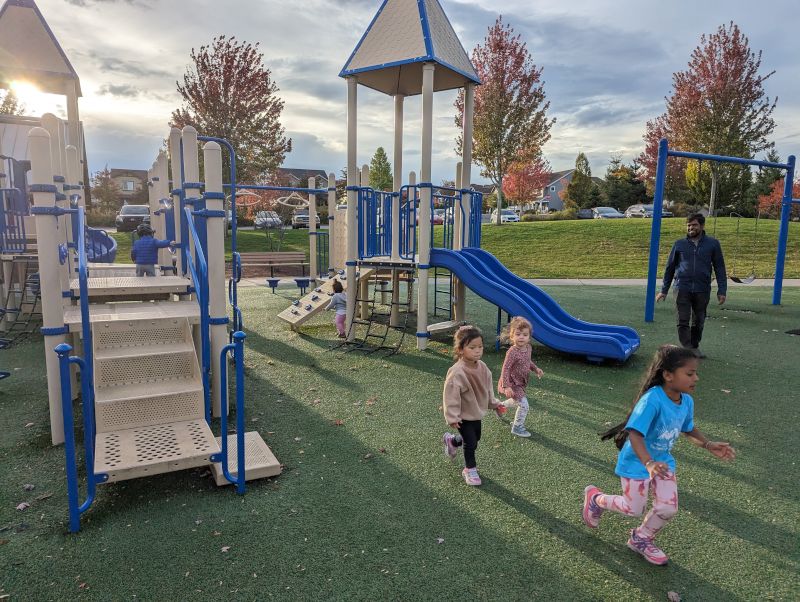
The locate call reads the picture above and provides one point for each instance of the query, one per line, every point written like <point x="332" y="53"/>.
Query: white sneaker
<point x="520" y="431"/>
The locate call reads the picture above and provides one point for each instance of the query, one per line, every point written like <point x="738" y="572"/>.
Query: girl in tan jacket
<point x="468" y="395"/>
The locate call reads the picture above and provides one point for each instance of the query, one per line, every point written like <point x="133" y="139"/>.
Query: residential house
<point x="552" y="197"/>
<point x="298" y="178"/>
<point x="132" y="184"/>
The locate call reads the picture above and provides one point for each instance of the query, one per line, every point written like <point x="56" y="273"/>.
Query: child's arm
<point x="656" y="469"/>
<point x="534" y="368"/>
<point x="720" y="449"/>
<point x="451" y="398"/>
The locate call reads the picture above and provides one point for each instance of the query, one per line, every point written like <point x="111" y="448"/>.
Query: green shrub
<point x="530" y="216"/>
<point x="101" y="218"/>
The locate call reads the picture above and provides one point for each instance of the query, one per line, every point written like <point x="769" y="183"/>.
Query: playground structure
<point x="152" y="354"/>
<point x="664" y="152"/>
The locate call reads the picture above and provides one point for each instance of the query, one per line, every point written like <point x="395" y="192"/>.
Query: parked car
<point x="130" y="216"/>
<point x="606" y="213"/>
<point x="300" y="219"/>
<point x="267" y="219"/>
<point x="437" y="217"/>
<point x="506" y="216"/>
<point x="641" y="210"/>
<point x="585" y="214"/>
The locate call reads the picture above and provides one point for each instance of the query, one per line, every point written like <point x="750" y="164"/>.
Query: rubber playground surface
<point x="368" y="508"/>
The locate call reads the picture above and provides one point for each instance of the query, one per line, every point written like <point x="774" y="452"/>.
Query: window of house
<point x="128" y="185"/>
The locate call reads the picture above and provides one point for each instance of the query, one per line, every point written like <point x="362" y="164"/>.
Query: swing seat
<point x="749" y="279"/>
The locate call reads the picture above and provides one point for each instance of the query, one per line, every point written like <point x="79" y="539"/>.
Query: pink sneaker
<point x="450" y="449"/>
<point x="471" y="476"/>
<point x="652" y="553"/>
<point x="591" y="511"/>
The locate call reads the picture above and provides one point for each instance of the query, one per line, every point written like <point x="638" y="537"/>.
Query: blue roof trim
<point x="421" y="59"/>
<point x="344" y="70"/>
<point x="426" y="28"/>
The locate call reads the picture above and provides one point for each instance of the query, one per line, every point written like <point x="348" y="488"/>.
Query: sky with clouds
<point x="608" y="65"/>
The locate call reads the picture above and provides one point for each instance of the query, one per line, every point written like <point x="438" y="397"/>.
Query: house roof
<point x="29" y="50"/>
<point x="301" y="174"/>
<point x="403" y="35"/>
<point x="555" y="176"/>
<point x="129" y="173"/>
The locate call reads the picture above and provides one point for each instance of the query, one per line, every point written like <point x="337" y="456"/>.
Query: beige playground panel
<point x="316" y="301"/>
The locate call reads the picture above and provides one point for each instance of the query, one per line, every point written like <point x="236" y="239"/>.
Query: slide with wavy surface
<point x="552" y="326"/>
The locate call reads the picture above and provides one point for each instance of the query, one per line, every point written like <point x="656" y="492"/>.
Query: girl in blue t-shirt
<point x="664" y="410"/>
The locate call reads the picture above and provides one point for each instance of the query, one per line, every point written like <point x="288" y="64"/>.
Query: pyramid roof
<point x="30" y="51"/>
<point x="403" y="35"/>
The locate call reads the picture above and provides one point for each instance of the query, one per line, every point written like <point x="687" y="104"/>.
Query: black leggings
<point x="470" y="434"/>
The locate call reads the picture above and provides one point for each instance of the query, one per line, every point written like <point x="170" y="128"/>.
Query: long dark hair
<point x="668" y="358"/>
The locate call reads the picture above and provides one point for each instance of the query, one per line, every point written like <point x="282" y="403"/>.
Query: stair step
<point x="154" y="367"/>
<point x="259" y="461"/>
<point x="133" y="310"/>
<point x="133" y="287"/>
<point x="147" y="404"/>
<point x="142" y="350"/>
<point x="144" y="451"/>
<point x="133" y="333"/>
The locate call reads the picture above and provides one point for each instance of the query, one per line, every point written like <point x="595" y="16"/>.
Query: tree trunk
<point x="499" y="215"/>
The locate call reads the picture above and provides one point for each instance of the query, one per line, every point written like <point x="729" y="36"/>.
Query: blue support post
<point x="69" y="438"/>
<point x="783" y="233"/>
<point x="655" y="231"/>
<point x="238" y="357"/>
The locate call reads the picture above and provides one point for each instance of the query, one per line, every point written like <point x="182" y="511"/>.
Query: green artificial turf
<point x="587" y="248"/>
<point x="367" y="507"/>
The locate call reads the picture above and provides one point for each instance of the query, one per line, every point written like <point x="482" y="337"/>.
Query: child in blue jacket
<point x="145" y="250"/>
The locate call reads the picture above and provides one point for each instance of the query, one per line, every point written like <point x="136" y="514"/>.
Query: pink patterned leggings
<point x="340" y="321"/>
<point x="633" y="501"/>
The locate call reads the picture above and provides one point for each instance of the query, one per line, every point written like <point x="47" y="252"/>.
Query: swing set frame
<point x="664" y="153"/>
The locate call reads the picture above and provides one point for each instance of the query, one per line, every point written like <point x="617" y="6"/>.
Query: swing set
<point x="664" y="152"/>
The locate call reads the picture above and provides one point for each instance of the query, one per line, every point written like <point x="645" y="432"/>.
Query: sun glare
<point x="36" y="102"/>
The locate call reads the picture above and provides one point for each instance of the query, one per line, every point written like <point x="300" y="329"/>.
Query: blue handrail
<point x="237" y="347"/>
<point x="199" y="274"/>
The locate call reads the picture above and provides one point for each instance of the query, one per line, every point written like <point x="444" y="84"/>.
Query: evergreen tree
<point x="622" y="186"/>
<point x="579" y="190"/>
<point x="761" y="186"/>
<point x="380" y="171"/>
<point x="105" y="191"/>
<point x="11" y="105"/>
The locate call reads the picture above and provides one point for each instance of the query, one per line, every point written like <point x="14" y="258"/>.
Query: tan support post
<point x="352" y="200"/>
<point x="212" y="165"/>
<point x="191" y="168"/>
<point x="331" y="221"/>
<point x="161" y="189"/>
<point x="49" y="272"/>
<point x="363" y="287"/>
<point x="424" y="212"/>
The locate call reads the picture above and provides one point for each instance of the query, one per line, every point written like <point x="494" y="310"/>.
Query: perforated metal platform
<point x="135" y="310"/>
<point x="132" y="287"/>
<point x="115" y="270"/>
<point x="260" y="462"/>
<point x="139" y="452"/>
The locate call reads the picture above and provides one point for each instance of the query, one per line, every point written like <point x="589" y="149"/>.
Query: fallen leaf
<point x="439" y="540"/>
<point x="673" y="597"/>
<point x="3" y="542"/>
<point x="316" y="402"/>
<point x="313" y="389"/>
<point x="367" y="456"/>
<point x="28" y="487"/>
<point x="725" y="390"/>
<point x="371" y="401"/>
<point x="44" y="496"/>
<point x="338" y="422"/>
<point x="83" y="586"/>
<point x="225" y="548"/>
<point x="270" y="363"/>
<point x="382" y="450"/>
<point x="298" y="438"/>
<point x="23" y="506"/>
<point x="29" y="424"/>
<point x="215" y="534"/>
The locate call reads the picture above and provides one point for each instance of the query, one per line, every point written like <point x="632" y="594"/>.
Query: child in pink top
<point x="516" y="369"/>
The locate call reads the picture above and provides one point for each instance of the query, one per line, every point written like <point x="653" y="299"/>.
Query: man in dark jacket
<point x="690" y="262"/>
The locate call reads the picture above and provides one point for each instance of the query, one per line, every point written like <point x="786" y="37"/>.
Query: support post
<point x="655" y="230"/>
<point x="161" y="189"/>
<point x="783" y="232"/>
<point x="331" y="220"/>
<point x="313" y="268"/>
<point x="63" y="233"/>
<point x="215" y="201"/>
<point x="49" y="277"/>
<point x="424" y="212"/>
<point x="352" y="199"/>
<point x="464" y="209"/>
<point x="363" y="287"/>
<point x="73" y="176"/>
<point x="177" y="206"/>
<point x="191" y="181"/>
<point x="397" y="184"/>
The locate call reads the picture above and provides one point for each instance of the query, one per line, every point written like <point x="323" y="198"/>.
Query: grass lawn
<point x="369" y="509"/>
<point x="587" y="248"/>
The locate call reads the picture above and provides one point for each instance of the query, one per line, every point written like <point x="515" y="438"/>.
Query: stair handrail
<point x="237" y="347"/>
<point x="199" y="274"/>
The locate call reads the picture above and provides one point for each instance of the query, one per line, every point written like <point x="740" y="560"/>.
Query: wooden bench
<point x="274" y="259"/>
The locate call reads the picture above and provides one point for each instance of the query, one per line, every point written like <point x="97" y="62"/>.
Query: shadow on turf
<point x="615" y="558"/>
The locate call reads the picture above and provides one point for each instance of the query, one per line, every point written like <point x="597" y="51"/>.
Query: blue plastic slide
<point x="100" y="247"/>
<point x="552" y="326"/>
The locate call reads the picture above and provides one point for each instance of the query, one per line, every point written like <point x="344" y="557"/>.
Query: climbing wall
<point x="314" y="302"/>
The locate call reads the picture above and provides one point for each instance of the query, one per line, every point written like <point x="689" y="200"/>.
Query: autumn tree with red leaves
<point x="525" y="180"/>
<point x="770" y="204"/>
<point x="718" y="106"/>
<point x="510" y="123"/>
<point x="228" y="93"/>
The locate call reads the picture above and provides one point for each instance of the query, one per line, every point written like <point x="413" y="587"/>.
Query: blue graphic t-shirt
<point x="661" y="421"/>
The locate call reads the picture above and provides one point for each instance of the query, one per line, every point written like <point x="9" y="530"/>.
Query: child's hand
<point x="722" y="450"/>
<point x="500" y="410"/>
<point x="455" y="425"/>
<point x="539" y="372"/>
<point x="657" y="469"/>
